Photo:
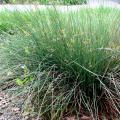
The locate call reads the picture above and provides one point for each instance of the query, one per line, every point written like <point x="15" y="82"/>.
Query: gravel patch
<point x="9" y="108"/>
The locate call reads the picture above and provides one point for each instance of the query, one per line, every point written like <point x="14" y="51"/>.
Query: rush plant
<point x="73" y="59"/>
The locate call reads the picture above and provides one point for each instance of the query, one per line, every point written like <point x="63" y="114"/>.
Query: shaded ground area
<point x="9" y="108"/>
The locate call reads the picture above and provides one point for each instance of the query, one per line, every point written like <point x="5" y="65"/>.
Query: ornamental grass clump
<point x="68" y="63"/>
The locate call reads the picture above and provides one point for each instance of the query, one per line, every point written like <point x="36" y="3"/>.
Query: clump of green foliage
<point x="72" y="61"/>
<point x="73" y="2"/>
<point x="70" y="2"/>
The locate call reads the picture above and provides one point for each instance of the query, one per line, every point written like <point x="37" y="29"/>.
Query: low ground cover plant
<point x="67" y="63"/>
<point x="69" y="2"/>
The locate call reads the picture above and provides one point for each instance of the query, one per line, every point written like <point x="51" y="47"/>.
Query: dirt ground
<point x="9" y="109"/>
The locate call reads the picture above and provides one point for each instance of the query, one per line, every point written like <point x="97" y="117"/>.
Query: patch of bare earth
<point x="9" y="108"/>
